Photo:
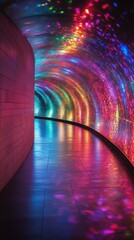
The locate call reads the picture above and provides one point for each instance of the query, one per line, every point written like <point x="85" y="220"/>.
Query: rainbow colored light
<point x="84" y="63"/>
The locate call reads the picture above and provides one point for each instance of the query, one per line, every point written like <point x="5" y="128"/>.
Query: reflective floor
<point x="71" y="186"/>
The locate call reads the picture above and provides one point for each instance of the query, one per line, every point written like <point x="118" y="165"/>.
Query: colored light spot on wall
<point x="87" y="11"/>
<point x="125" y="50"/>
<point x="77" y="10"/>
<point x="36" y="111"/>
<point x="108" y="232"/>
<point x="104" y="6"/>
<point x="114" y="227"/>
<point x="115" y="4"/>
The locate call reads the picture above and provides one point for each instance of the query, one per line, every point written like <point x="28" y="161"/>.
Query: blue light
<point x="125" y="50"/>
<point x="115" y="4"/>
<point x="74" y="60"/>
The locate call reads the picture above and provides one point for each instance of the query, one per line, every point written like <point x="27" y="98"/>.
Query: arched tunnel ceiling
<point x="84" y="62"/>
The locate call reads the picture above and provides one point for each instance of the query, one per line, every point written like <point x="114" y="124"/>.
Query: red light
<point x="105" y="6"/>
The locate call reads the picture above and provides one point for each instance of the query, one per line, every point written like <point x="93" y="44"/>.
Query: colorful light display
<point x="84" y="58"/>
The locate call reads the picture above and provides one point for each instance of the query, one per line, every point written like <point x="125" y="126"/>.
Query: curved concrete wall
<point x="16" y="99"/>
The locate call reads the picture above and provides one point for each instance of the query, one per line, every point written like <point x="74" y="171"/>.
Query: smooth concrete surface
<point x="16" y="99"/>
<point x="71" y="186"/>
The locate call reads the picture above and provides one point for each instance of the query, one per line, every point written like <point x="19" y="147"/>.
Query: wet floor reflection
<point x="71" y="186"/>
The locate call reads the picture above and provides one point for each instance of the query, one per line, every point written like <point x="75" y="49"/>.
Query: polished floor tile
<point x="71" y="187"/>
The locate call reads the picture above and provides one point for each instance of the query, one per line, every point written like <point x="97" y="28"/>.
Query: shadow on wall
<point x="16" y="99"/>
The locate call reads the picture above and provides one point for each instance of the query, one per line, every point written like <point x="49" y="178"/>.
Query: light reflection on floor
<point x="70" y="187"/>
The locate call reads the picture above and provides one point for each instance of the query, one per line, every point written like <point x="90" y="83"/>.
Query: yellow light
<point x="87" y="11"/>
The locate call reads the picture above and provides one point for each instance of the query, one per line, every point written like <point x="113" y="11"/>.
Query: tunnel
<point x="67" y="110"/>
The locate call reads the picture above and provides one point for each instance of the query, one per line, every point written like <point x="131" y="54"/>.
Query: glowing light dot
<point x="77" y="10"/>
<point x="125" y="50"/>
<point x="115" y="4"/>
<point x="108" y="231"/>
<point x="105" y="6"/>
<point x="114" y="227"/>
<point x="87" y="11"/>
<point x="36" y="110"/>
